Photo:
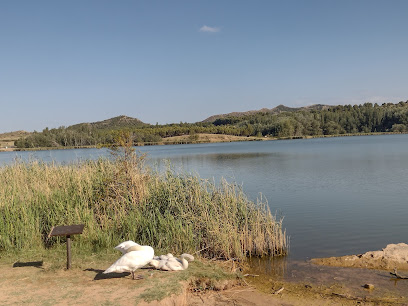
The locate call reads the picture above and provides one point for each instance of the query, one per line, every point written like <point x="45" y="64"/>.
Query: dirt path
<point x="30" y="283"/>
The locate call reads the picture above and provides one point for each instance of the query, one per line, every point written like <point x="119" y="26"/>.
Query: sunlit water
<point x="338" y="196"/>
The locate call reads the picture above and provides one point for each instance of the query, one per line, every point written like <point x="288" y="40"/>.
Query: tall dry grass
<point x="121" y="199"/>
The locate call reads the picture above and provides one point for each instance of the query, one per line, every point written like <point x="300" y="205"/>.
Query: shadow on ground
<point x="99" y="274"/>
<point x="36" y="264"/>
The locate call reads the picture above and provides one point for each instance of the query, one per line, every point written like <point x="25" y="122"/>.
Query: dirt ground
<point x="277" y="281"/>
<point x="34" y="283"/>
<point x="30" y="283"/>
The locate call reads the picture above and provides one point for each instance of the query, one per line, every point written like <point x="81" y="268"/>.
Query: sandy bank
<point x="389" y="258"/>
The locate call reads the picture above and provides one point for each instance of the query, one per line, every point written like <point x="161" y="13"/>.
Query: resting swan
<point x="170" y="263"/>
<point x="135" y="257"/>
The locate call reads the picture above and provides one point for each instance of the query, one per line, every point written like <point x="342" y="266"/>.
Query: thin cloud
<point x="208" y="29"/>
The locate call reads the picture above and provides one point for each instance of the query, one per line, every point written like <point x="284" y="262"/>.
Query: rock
<point x="392" y="256"/>
<point x="369" y="286"/>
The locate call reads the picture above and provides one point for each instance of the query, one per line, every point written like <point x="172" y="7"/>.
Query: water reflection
<point x="269" y="266"/>
<point x="233" y="156"/>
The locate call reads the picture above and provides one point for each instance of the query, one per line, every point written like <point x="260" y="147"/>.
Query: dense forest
<point x="333" y="120"/>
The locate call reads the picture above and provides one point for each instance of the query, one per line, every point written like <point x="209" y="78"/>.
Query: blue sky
<point x="66" y="62"/>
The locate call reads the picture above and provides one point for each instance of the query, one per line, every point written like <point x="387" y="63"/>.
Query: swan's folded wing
<point x="122" y="247"/>
<point x="174" y="265"/>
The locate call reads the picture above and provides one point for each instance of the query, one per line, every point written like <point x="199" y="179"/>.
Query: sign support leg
<point x="68" y="252"/>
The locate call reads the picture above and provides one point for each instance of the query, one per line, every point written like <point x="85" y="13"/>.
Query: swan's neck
<point x="184" y="262"/>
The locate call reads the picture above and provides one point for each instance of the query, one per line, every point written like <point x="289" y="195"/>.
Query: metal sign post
<point x="67" y="230"/>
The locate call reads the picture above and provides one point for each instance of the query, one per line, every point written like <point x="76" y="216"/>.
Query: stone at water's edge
<point x="393" y="256"/>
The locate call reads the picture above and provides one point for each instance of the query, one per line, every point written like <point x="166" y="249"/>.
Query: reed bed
<point x="121" y="199"/>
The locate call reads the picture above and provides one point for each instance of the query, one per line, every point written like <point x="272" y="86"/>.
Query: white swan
<point x="125" y="245"/>
<point x="170" y="263"/>
<point x="135" y="257"/>
<point x="175" y="264"/>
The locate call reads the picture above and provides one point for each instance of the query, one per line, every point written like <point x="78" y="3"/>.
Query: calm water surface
<point x="338" y="196"/>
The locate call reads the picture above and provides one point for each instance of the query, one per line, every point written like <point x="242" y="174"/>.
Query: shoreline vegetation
<point x="121" y="199"/>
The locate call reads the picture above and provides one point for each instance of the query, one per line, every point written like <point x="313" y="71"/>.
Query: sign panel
<point x="66" y="230"/>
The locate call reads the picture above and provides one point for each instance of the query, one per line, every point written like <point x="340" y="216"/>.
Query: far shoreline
<point x="202" y="139"/>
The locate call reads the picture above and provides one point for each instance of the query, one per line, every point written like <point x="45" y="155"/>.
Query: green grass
<point x="197" y="274"/>
<point x="121" y="199"/>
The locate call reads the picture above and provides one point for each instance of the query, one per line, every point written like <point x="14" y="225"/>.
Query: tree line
<point x="335" y="120"/>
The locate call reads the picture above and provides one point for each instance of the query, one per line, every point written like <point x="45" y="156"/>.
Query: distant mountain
<point x="276" y="110"/>
<point x="113" y="123"/>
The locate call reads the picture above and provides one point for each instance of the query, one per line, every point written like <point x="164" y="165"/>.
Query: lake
<point x="338" y="196"/>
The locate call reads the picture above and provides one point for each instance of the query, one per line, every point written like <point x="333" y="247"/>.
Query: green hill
<point x="112" y="123"/>
<point x="278" y="122"/>
<point x="276" y="110"/>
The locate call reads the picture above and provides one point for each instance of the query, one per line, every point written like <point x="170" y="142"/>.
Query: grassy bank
<point x="121" y="199"/>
